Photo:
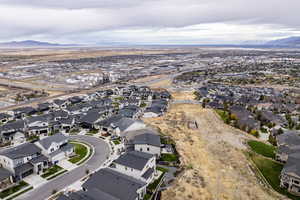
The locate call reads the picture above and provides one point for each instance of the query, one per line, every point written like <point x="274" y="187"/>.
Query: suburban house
<point x="90" y="119"/>
<point x="43" y="107"/>
<point x="60" y="104"/>
<point x="23" y="112"/>
<point x="290" y="175"/>
<point x="39" y="125"/>
<point x="55" y="147"/>
<point x="288" y="143"/>
<point x="125" y="124"/>
<point x="137" y="164"/>
<point x="147" y="143"/>
<point x="108" y="184"/>
<point x="9" y="130"/>
<point x="23" y="160"/>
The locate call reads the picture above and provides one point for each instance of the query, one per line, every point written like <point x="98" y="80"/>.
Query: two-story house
<point x="136" y="164"/>
<point x="110" y="184"/>
<point x="147" y="143"/>
<point x="23" y="160"/>
<point x="55" y="147"/>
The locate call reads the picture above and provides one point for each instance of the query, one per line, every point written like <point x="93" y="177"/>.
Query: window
<point x="297" y="182"/>
<point x="148" y="149"/>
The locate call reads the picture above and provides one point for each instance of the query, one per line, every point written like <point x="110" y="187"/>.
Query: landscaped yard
<point x="162" y="169"/>
<point x="262" y="148"/>
<point x="52" y="170"/>
<point x="80" y="151"/>
<point x="13" y="189"/>
<point x="169" y="157"/>
<point x="271" y="171"/>
<point x="117" y="141"/>
<point x="92" y="132"/>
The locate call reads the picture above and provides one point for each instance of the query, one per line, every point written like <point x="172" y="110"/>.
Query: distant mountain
<point x="286" y="42"/>
<point x="32" y="43"/>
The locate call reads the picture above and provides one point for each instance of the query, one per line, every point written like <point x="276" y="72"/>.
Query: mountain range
<point x="290" y="42"/>
<point x="33" y="43"/>
<point x="285" y="42"/>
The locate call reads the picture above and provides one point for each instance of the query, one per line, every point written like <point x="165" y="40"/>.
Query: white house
<point x="23" y="160"/>
<point x="147" y="143"/>
<point x="136" y="164"/>
<point x="126" y="124"/>
<point x="55" y="147"/>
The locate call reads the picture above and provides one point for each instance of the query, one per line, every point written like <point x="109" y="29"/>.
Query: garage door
<point x="27" y="173"/>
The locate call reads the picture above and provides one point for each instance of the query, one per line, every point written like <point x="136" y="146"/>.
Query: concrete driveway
<point x="101" y="151"/>
<point x="66" y="165"/>
<point x="35" y="180"/>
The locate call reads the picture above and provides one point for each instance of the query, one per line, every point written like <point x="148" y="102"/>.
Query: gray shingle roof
<point x="292" y="165"/>
<point x="147" y="138"/>
<point x="115" y="184"/>
<point x="148" y="173"/>
<point x="46" y="142"/>
<point x="20" y="151"/>
<point x="134" y="159"/>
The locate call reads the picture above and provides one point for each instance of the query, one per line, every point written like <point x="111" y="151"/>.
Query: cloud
<point x="67" y="19"/>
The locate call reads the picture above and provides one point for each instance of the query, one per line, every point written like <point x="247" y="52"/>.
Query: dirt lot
<point x="215" y="165"/>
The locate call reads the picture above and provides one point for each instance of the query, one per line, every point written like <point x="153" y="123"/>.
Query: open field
<point x="212" y="156"/>
<point x="51" y="54"/>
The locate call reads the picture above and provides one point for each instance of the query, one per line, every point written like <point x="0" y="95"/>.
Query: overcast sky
<point x="149" y="21"/>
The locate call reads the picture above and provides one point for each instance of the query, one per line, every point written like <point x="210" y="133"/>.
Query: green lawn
<point x="169" y="157"/>
<point x="80" y="151"/>
<point x="13" y="189"/>
<point x="116" y="142"/>
<point x="271" y="171"/>
<point x="52" y="170"/>
<point x="262" y="148"/>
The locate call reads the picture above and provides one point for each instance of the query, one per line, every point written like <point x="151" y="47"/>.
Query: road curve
<point x="101" y="151"/>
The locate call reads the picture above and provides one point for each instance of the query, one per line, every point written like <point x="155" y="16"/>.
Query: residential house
<point x="23" y="160"/>
<point x="109" y="184"/>
<point x="60" y="104"/>
<point x="39" y="125"/>
<point x="55" y="147"/>
<point x="136" y="164"/>
<point x="90" y="119"/>
<point x="290" y="174"/>
<point x="148" y="143"/>
<point x="23" y="112"/>
<point x="9" y="130"/>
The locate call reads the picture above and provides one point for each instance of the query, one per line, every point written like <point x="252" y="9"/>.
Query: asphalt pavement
<point x="101" y="151"/>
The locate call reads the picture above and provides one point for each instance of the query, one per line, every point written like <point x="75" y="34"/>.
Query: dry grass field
<point x="215" y="167"/>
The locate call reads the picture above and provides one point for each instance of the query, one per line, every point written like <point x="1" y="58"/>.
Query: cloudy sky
<point x="149" y="21"/>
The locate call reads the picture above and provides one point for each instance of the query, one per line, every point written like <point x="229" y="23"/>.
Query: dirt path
<point x="215" y="165"/>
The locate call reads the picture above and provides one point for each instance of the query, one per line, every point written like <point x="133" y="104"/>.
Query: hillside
<point x="32" y="43"/>
<point x="289" y="42"/>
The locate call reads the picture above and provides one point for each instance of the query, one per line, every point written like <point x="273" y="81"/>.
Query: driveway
<point x="66" y="165"/>
<point x="101" y="151"/>
<point x="35" y="180"/>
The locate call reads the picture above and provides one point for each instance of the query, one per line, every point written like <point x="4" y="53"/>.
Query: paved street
<point x="101" y="152"/>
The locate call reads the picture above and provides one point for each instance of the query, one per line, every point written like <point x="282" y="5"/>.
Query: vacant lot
<point x="213" y="158"/>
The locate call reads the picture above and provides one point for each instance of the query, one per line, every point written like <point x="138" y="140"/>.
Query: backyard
<point x="263" y="149"/>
